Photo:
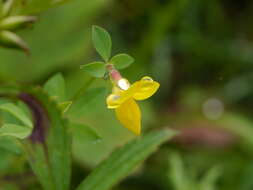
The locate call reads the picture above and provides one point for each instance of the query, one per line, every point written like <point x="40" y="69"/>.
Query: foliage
<point x="199" y="51"/>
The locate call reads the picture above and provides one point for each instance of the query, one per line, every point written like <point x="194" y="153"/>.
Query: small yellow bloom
<point x="123" y="101"/>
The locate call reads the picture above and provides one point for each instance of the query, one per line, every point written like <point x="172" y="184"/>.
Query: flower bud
<point x="114" y="73"/>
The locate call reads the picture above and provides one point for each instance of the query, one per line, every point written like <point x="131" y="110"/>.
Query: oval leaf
<point x="102" y="42"/>
<point x="122" y="61"/>
<point x="95" y="69"/>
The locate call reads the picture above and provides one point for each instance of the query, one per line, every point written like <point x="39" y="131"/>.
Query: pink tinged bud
<point x="114" y="74"/>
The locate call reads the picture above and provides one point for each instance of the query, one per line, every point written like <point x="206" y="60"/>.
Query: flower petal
<point x="119" y="96"/>
<point x="129" y="115"/>
<point x="146" y="87"/>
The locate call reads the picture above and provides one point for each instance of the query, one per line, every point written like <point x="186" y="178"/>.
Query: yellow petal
<point x="119" y="96"/>
<point x="113" y="101"/>
<point x="146" y="87"/>
<point x="129" y="115"/>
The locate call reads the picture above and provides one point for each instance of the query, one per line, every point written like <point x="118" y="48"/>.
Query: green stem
<point x="84" y="87"/>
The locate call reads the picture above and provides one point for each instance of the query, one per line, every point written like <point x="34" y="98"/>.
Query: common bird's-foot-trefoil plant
<point x="37" y="119"/>
<point x="124" y="95"/>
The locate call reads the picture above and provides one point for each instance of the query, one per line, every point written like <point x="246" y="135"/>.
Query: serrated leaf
<point x="122" y="61"/>
<point x="18" y="113"/>
<point x="122" y="161"/>
<point x="102" y="42"/>
<point x="95" y="69"/>
<point x="55" y="87"/>
<point x="18" y="131"/>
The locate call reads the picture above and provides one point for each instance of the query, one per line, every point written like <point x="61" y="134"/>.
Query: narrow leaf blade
<point x="11" y="40"/>
<point x="14" y="130"/>
<point x="122" y="61"/>
<point x="102" y="42"/>
<point x="123" y="160"/>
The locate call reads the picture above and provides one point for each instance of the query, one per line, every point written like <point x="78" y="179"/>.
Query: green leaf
<point x="10" y="144"/>
<point x="102" y="42"/>
<point x="83" y="131"/>
<point x="52" y="165"/>
<point x="7" y="6"/>
<point x="18" y="131"/>
<point x="18" y="113"/>
<point x="209" y="181"/>
<point x="95" y="69"/>
<point x="1" y="8"/>
<point x="176" y="172"/>
<point x="87" y="101"/>
<point x="55" y="87"/>
<point x="64" y="106"/>
<point x="122" y="161"/>
<point x="11" y="40"/>
<point x="122" y="61"/>
<point x="16" y="22"/>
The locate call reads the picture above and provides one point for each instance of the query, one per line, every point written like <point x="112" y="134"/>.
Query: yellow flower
<point x="123" y="101"/>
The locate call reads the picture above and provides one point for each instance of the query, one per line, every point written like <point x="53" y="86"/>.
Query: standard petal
<point x="129" y="115"/>
<point x="145" y="88"/>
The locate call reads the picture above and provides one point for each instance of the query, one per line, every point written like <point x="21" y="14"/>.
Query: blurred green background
<point x="202" y="54"/>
